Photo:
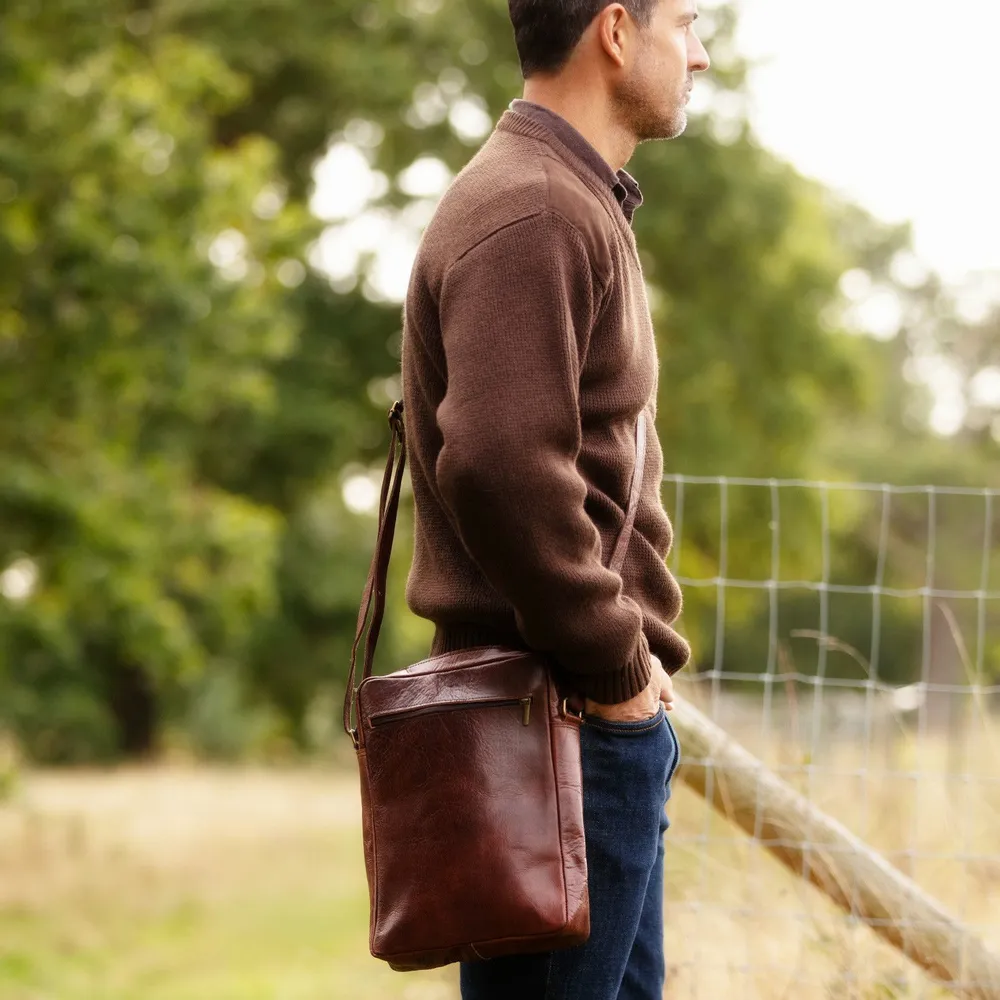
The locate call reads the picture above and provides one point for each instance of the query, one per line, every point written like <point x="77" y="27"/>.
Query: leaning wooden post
<point x="817" y="847"/>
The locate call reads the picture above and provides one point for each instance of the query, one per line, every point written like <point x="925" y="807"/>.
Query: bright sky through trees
<point x="893" y="102"/>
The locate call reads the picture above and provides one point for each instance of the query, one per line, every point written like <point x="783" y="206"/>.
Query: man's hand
<point x="642" y="706"/>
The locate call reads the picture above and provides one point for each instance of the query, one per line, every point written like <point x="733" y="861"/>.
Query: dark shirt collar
<point x="622" y="184"/>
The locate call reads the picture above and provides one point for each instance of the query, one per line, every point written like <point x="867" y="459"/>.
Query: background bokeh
<point x="207" y="215"/>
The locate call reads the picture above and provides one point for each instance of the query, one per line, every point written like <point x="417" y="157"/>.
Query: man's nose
<point x="698" y="60"/>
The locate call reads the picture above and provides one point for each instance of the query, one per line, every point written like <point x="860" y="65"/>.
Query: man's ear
<point x="614" y="26"/>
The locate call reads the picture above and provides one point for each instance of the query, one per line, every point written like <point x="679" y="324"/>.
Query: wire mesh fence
<point x="848" y="636"/>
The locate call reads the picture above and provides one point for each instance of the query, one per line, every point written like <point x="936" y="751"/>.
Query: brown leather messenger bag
<point x="471" y="787"/>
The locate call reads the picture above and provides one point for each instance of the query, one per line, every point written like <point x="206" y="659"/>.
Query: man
<point x="528" y="356"/>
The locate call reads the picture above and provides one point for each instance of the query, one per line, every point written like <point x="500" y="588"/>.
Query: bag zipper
<point x="410" y="713"/>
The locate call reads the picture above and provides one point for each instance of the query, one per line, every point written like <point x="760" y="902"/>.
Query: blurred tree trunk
<point x="132" y="698"/>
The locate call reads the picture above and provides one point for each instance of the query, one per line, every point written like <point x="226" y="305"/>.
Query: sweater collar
<point x="548" y="126"/>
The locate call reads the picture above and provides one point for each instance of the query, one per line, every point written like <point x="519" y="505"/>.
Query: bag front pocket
<point x="399" y="715"/>
<point x="466" y="817"/>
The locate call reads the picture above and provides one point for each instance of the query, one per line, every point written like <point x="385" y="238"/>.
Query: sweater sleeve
<point x="517" y="313"/>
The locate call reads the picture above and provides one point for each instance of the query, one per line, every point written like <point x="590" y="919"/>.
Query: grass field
<point x="189" y="885"/>
<point x="176" y="883"/>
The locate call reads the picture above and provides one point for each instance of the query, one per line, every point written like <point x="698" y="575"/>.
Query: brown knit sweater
<point x="528" y="353"/>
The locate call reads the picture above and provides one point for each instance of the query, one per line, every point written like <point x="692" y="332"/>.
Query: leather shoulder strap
<point x="387" y="511"/>
<point x="375" y="585"/>
<point x="618" y="557"/>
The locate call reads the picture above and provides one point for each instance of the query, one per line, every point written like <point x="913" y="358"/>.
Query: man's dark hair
<point x="547" y="31"/>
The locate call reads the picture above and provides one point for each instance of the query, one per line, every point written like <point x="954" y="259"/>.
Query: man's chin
<point x="668" y="129"/>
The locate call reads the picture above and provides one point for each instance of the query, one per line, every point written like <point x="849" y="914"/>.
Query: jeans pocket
<point x="635" y="728"/>
<point x="677" y="748"/>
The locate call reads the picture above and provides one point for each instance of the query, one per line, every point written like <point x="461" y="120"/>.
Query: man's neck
<point x="589" y="117"/>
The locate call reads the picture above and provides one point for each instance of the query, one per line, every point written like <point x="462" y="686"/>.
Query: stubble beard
<point x="647" y="116"/>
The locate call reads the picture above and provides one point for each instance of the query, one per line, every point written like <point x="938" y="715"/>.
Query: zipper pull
<point x="526" y="714"/>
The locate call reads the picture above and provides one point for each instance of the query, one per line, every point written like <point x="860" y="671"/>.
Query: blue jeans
<point x="627" y="768"/>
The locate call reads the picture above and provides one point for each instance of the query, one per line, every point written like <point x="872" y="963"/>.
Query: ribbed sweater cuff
<point x="618" y="686"/>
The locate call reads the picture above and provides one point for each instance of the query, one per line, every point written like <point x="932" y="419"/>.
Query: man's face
<point x="653" y="95"/>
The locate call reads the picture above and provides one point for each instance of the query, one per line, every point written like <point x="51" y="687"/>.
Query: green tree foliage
<point x="141" y="306"/>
